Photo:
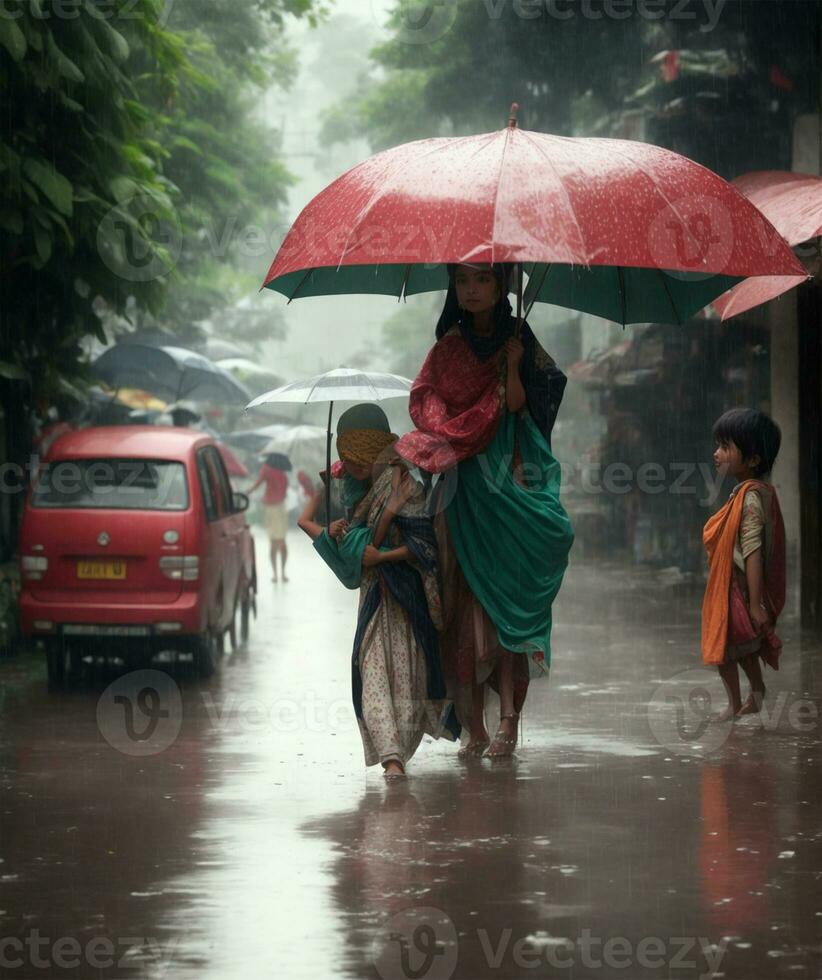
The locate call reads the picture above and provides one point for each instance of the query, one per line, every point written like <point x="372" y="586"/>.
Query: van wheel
<point x="205" y="654"/>
<point x="55" y="666"/>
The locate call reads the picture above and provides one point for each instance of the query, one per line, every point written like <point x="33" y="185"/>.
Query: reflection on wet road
<point x="228" y="829"/>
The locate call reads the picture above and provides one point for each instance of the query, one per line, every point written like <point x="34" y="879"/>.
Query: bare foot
<point x="393" y="769"/>
<point x="285" y="577"/>
<point x="753" y="703"/>
<point x="475" y="746"/>
<point x="727" y="715"/>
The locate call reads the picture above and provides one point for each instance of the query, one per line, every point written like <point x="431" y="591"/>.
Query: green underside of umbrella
<point x="617" y="293"/>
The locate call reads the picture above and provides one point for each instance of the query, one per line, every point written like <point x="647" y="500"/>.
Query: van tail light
<point x="181" y="568"/>
<point x="34" y="567"/>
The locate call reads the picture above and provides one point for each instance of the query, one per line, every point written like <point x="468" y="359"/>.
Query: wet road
<point x="228" y="829"/>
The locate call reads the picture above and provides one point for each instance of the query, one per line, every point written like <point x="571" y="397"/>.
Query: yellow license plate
<point x="101" y="569"/>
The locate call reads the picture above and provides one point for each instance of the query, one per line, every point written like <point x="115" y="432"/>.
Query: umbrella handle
<point x="328" y="468"/>
<point x="518" y="274"/>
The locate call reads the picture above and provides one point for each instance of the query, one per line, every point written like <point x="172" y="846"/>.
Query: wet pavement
<point x="227" y="828"/>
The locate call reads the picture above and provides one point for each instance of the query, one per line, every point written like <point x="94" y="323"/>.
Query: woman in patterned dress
<point x="388" y="551"/>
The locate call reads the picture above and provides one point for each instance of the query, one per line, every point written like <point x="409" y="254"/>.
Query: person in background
<point x="745" y="541"/>
<point x="273" y="476"/>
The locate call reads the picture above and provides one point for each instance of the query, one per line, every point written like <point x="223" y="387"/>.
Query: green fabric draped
<point x="344" y="557"/>
<point x="512" y="541"/>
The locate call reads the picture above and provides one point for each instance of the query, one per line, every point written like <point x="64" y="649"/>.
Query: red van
<point x="133" y="541"/>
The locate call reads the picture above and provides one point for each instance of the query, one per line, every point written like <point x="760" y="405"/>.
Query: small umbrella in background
<point x="172" y="373"/>
<point x="341" y="384"/>
<point x="217" y="349"/>
<point x="287" y="437"/>
<point x="251" y="374"/>
<point x="793" y="204"/>
<point x="137" y="398"/>
<point x="303" y="444"/>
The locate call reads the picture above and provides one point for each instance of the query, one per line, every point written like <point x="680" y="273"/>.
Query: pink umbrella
<point x="793" y="204"/>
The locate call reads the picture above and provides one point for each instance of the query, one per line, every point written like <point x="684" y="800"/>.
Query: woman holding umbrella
<point x="388" y="551"/>
<point x="485" y="402"/>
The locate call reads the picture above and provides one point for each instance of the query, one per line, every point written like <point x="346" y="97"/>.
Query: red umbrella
<point x="618" y="228"/>
<point x="232" y="464"/>
<point x="793" y="204"/>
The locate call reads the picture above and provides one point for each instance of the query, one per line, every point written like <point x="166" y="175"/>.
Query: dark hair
<point x="753" y="433"/>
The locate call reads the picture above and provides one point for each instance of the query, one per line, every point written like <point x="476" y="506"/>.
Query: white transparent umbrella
<point x="341" y="385"/>
<point x="300" y="443"/>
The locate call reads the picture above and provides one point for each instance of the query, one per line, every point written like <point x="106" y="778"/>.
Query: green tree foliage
<point x="575" y="67"/>
<point x="128" y="133"/>
<point x="222" y="155"/>
<point x="75" y="148"/>
<point x="464" y="80"/>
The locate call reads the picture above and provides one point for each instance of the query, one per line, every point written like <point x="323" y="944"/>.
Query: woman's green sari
<point x="512" y="540"/>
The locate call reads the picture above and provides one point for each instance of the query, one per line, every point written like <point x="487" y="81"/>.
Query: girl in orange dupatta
<point x="745" y="542"/>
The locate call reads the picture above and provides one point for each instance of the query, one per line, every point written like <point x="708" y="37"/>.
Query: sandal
<point x="503" y="744"/>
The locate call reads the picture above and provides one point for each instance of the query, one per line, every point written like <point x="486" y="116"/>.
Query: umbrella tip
<point x="512" y="115"/>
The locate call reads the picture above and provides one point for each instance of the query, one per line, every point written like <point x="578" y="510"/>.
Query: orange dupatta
<point x="719" y="537"/>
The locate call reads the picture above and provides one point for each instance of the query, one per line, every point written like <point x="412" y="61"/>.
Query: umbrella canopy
<point x="171" y="373"/>
<point x="304" y="444"/>
<point x="341" y="384"/>
<point x="793" y="204"/>
<point x="621" y="229"/>
<point x="137" y="398"/>
<point x="286" y="438"/>
<point x="217" y="349"/>
<point x="249" y="372"/>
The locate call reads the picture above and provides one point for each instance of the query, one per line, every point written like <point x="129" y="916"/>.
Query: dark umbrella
<point x="170" y="372"/>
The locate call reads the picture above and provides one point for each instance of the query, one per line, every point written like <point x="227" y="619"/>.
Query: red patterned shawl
<point x="455" y="404"/>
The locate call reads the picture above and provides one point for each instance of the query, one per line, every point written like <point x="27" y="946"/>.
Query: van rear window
<point x="118" y="484"/>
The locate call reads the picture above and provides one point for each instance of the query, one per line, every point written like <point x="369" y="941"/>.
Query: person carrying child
<point x="388" y="551"/>
<point x="745" y="542"/>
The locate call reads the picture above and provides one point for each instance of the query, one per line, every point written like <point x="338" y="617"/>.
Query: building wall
<point x="782" y="318"/>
